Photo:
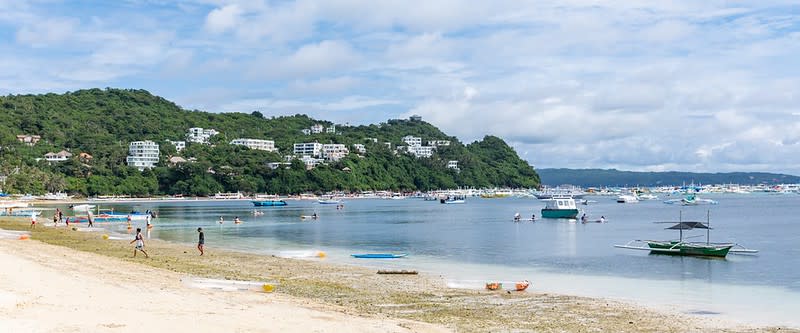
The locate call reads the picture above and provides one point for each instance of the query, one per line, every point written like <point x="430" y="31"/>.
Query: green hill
<point x="612" y="177"/>
<point x="103" y="122"/>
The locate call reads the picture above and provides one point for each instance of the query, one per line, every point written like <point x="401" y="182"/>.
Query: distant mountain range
<point x="613" y="177"/>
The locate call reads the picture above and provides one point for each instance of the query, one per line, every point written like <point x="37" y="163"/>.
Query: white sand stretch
<point x="45" y="288"/>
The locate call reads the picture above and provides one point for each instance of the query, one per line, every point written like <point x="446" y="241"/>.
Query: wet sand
<point x="67" y="273"/>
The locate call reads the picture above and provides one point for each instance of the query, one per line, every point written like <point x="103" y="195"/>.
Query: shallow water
<point x="475" y="242"/>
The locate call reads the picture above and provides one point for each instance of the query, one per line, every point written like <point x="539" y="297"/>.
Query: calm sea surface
<point x="475" y="242"/>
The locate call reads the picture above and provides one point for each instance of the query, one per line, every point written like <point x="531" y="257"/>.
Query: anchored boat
<point x="268" y="203"/>
<point x="560" y="208"/>
<point x="685" y="248"/>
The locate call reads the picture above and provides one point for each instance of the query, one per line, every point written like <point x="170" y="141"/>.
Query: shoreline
<point x="358" y="290"/>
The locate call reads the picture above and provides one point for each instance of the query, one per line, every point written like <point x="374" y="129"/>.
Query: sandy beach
<point x="71" y="281"/>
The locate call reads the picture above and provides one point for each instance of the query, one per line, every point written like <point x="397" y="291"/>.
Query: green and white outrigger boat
<point x="684" y="248"/>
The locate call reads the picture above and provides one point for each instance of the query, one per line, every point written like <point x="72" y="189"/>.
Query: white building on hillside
<point x="200" y="135"/>
<point x="142" y="154"/>
<point x="311" y="162"/>
<point x="312" y="149"/>
<point x="359" y="148"/>
<point x="438" y="143"/>
<point x="421" y="151"/>
<point x="179" y="145"/>
<point x="317" y="128"/>
<point x="266" y="145"/>
<point x="452" y="165"/>
<point x="412" y="141"/>
<point x="331" y="129"/>
<point x="58" y="157"/>
<point x="306" y="131"/>
<point x="334" y="151"/>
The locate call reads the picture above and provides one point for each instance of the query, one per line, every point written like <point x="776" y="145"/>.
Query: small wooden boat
<point x="522" y="285"/>
<point x="494" y="285"/>
<point x="379" y="255"/>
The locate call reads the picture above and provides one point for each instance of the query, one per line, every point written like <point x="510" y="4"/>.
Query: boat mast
<point x="708" y="226"/>
<point x="680" y="224"/>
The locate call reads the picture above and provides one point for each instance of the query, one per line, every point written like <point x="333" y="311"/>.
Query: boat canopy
<point x="688" y="226"/>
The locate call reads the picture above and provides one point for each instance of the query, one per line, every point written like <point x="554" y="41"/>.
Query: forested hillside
<point x="103" y="122"/>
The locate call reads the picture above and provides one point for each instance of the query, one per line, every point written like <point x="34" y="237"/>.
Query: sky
<point x="706" y="86"/>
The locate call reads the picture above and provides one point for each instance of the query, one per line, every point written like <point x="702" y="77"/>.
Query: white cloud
<point x="224" y="18"/>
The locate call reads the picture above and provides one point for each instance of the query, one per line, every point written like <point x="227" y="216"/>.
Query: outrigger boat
<point x="684" y="248"/>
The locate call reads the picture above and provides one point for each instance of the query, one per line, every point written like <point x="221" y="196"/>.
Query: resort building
<point x="275" y="165"/>
<point x="58" y="157"/>
<point x="359" y="148"/>
<point x="179" y="145"/>
<point x="175" y="160"/>
<point x="311" y="162"/>
<point x="317" y="128"/>
<point x="331" y="129"/>
<point x="438" y="143"/>
<point x="312" y="149"/>
<point x="200" y="135"/>
<point x="421" y="151"/>
<point x="334" y="151"/>
<point x="142" y="154"/>
<point x="29" y="140"/>
<point x="452" y="165"/>
<point x="266" y="145"/>
<point x="412" y="141"/>
<point x="85" y="157"/>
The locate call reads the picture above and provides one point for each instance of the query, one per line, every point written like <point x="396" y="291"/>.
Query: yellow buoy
<point x="268" y="288"/>
<point x="321" y="254"/>
<point x="105" y="236"/>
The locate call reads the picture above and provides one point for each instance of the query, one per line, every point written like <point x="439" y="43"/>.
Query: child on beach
<point x="201" y="240"/>
<point x="139" y="243"/>
<point x="33" y="220"/>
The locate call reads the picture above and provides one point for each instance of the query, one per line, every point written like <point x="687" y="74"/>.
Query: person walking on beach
<point x="55" y="219"/>
<point x="139" y="243"/>
<point x="221" y="219"/>
<point x="90" y="219"/>
<point x="33" y="220"/>
<point x="201" y="240"/>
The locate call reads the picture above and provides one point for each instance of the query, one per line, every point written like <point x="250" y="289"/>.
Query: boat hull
<point x="269" y="203"/>
<point x="378" y="255"/>
<point x="559" y="213"/>
<point x="689" y="249"/>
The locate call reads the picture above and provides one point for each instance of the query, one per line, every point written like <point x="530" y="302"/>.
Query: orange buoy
<point x="520" y="286"/>
<point x="494" y="285"/>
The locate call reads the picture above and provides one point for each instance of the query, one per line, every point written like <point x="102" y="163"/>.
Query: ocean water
<point x="475" y="242"/>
